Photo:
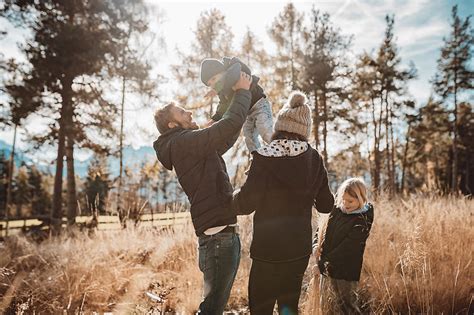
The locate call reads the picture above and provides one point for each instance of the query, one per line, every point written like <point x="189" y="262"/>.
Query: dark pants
<point x="338" y="296"/>
<point x="219" y="257"/>
<point x="272" y="283"/>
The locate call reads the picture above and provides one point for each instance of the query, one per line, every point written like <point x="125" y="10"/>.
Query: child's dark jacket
<point x="344" y="244"/>
<point x="225" y="97"/>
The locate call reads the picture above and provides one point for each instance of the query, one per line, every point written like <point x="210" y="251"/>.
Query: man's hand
<point x="243" y="83"/>
<point x="209" y="123"/>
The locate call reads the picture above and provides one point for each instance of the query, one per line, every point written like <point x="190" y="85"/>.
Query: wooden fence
<point x="105" y="222"/>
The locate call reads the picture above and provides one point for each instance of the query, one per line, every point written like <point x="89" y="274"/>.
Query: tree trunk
<point x="64" y="120"/>
<point x="387" y="146"/>
<point x="56" y="213"/>
<point x="392" y="155"/>
<point x="122" y="107"/>
<point x="405" y="154"/>
<point x="293" y="80"/>
<point x="71" y="180"/>
<point x="10" y="180"/>
<point x="379" y="140"/>
<point x="371" y="167"/>
<point x="454" y="178"/>
<point x="376" y="172"/>
<point x="316" y="119"/>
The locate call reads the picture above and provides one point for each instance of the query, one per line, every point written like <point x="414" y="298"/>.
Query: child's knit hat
<point x="295" y="116"/>
<point x="209" y="68"/>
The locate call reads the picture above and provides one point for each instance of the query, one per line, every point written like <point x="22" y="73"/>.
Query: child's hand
<point x="210" y="94"/>
<point x="243" y="83"/>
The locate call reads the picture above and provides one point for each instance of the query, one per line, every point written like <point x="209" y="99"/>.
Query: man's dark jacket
<point x="343" y="247"/>
<point x="282" y="192"/>
<point x="196" y="157"/>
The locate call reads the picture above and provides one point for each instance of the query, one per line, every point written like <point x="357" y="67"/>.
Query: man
<point x="196" y="155"/>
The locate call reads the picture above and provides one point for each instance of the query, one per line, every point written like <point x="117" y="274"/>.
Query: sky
<point x="420" y="26"/>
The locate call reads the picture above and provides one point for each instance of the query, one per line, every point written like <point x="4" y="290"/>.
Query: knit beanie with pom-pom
<point x="295" y="116"/>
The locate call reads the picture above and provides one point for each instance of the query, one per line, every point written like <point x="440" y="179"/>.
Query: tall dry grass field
<point x="418" y="260"/>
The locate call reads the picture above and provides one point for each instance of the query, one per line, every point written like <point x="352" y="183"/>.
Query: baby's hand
<point x="210" y="94"/>
<point x="243" y="83"/>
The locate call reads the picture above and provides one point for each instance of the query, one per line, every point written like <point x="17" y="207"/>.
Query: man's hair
<point x="163" y="117"/>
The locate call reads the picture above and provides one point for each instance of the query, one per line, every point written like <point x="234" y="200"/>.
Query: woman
<point x="287" y="177"/>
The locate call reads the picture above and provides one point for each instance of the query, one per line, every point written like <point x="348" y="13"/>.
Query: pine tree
<point x="455" y="75"/>
<point x="72" y="47"/>
<point x="21" y="190"/>
<point x="466" y="147"/>
<point x="97" y="185"/>
<point x="213" y="39"/>
<point x="4" y="170"/>
<point x="287" y="33"/>
<point x="16" y="111"/>
<point x="325" y="71"/>
<point x="428" y="154"/>
<point x="133" y="70"/>
<point x="379" y="88"/>
<point x="365" y="93"/>
<point x="39" y="197"/>
<point x="393" y="82"/>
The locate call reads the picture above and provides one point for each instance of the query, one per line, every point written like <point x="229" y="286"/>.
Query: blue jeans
<point x="219" y="257"/>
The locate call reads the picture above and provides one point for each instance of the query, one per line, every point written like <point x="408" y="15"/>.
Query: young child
<point x="221" y="76"/>
<point x="342" y="248"/>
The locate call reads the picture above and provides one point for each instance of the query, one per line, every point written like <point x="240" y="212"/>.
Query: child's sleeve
<point x="222" y="107"/>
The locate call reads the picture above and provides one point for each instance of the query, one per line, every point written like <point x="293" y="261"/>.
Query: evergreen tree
<point x="429" y="151"/>
<point x="21" y="190"/>
<point x="39" y="197"/>
<point x="287" y="33"/>
<point x="73" y="45"/>
<point x="379" y="89"/>
<point x="253" y="54"/>
<point x="393" y="81"/>
<point x="4" y="169"/>
<point x="213" y="39"/>
<point x="133" y="69"/>
<point x="325" y="72"/>
<point x="466" y="147"/>
<point x="455" y="75"/>
<point x="97" y="185"/>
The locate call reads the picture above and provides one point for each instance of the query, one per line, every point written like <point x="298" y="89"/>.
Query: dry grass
<point x="418" y="260"/>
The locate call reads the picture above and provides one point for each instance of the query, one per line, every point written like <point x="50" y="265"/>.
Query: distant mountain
<point x="131" y="157"/>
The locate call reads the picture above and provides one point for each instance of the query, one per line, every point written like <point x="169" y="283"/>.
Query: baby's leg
<point x="250" y="134"/>
<point x="262" y="111"/>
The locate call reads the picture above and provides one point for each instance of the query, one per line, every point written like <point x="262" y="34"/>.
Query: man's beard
<point x="189" y="126"/>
